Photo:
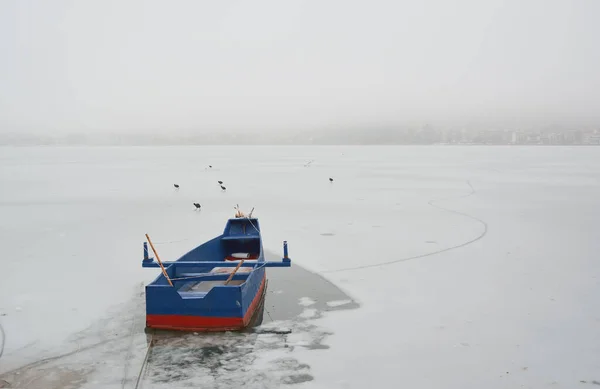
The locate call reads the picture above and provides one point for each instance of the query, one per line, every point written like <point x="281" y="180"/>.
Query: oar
<point x="233" y="272"/>
<point x="159" y="262"/>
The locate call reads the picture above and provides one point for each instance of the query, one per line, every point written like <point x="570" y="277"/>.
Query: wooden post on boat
<point x="233" y="272"/>
<point x="146" y="257"/>
<point x="159" y="262"/>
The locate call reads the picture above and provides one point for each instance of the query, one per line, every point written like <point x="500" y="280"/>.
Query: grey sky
<point x="262" y="65"/>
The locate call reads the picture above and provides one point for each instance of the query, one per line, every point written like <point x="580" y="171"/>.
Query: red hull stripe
<point x="205" y="323"/>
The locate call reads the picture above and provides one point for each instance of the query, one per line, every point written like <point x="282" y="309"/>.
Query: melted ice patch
<point x="308" y="313"/>
<point x="306" y="301"/>
<point x="338" y="303"/>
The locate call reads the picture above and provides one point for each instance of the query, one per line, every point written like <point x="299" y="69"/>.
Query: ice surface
<point x="516" y="308"/>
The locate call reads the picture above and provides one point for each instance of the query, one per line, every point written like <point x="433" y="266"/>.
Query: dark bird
<point x="330" y="179"/>
<point x="176" y="186"/>
<point x="197" y="206"/>
<point x="210" y="166"/>
<point x="223" y="188"/>
<point x="220" y="182"/>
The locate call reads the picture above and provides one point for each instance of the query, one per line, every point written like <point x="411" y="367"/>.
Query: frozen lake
<point x="474" y="267"/>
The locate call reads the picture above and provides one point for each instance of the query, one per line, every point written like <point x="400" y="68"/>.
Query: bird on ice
<point x="197" y="206"/>
<point x="176" y="186"/>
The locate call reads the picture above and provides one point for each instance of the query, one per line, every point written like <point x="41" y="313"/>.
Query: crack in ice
<point x="431" y="203"/>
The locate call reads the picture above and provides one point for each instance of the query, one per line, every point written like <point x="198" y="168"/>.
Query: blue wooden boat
<point x="218" y="286"/>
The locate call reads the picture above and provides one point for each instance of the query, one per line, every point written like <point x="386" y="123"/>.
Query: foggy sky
<point x="194" y="66"/>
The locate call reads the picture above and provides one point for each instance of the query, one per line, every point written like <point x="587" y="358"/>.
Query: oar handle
<point x="233" y="272"/>
<point x="159" y="262"/>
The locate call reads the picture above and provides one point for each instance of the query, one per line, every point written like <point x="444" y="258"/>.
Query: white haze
<point x="194" y="66"/>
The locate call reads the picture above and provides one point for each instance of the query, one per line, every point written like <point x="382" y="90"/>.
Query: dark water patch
<point x="291" y="364"/>
<point x="181" y="357"/>
<point x="287" y="287"/>
<point x="223" y="360"/>
<point x="297" y="379"/>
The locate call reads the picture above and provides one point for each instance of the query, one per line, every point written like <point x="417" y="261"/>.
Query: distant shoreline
<point x="283" y="145"/>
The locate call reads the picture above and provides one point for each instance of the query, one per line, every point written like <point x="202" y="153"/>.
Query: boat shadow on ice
<point x="118" y="352"/>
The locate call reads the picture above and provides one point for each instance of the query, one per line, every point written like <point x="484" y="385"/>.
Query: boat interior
<point x="240" y="241"/>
